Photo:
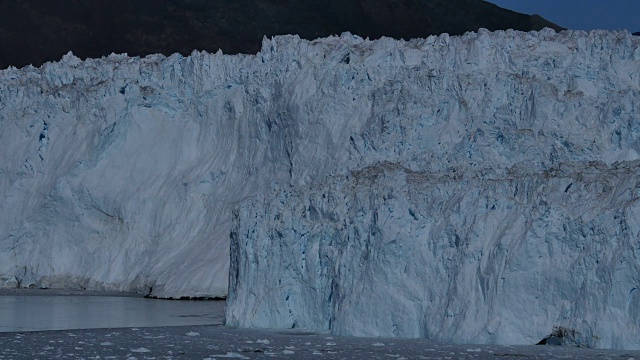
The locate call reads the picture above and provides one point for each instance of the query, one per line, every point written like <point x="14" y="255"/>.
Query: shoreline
<point x="67" y="292"/>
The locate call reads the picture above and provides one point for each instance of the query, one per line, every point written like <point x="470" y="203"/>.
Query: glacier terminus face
<point x="490" y="196"/>
<point x="481" y="188"/>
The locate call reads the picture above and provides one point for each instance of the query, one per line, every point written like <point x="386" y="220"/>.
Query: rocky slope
<point x="487" y="191"/>
<point x="36" y="31"/>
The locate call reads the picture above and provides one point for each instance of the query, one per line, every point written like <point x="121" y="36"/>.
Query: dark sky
<point x="581" y="14"/>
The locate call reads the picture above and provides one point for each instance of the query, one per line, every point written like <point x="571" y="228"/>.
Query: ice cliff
<point x="486" y="190"/>
<point x="480" y="188"/>
<point x="121" y="173"/>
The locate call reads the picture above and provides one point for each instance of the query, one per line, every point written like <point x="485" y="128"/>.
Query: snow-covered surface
<point x="487" y="190"/>
<point x="121" y="174"/>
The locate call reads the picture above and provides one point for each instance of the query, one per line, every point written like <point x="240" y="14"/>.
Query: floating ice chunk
<point x="230" y="355"/>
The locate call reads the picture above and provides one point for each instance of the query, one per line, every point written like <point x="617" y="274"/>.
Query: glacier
<point x="481" y="188"/>
<point x="121" y="173"/>
<point x="489" y="194"/>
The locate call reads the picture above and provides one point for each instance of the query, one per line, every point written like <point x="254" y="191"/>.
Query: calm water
<point x="33" y="313"/>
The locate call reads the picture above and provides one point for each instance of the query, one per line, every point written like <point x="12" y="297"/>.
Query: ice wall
<point x="491" y="193"/>
<point x="121" y="173"/>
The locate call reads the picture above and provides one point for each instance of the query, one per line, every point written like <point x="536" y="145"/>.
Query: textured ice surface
<point x="121" y="173"/>
<point x="489" y="192"/>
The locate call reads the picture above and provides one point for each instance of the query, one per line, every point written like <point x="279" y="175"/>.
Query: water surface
<point x="35" y="313"/>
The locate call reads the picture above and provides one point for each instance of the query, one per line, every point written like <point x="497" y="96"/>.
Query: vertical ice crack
<point x="44" y="140"/>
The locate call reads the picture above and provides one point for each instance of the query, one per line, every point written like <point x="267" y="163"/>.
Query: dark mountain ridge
<point x="36" y="31"/>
